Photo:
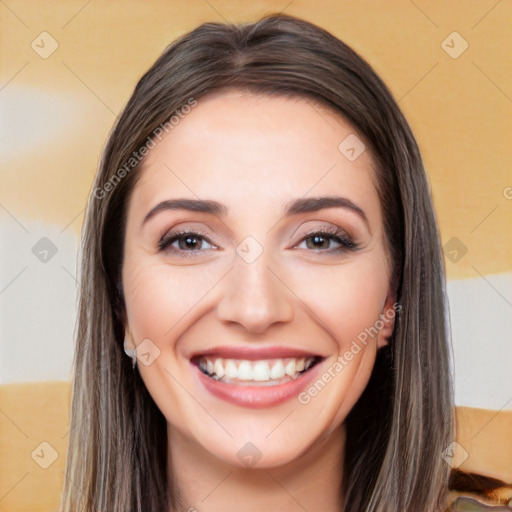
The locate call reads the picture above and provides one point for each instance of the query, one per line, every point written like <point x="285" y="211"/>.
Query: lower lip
<point x="256" y="397"/>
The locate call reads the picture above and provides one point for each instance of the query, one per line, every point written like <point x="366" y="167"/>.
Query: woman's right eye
<point x="187" y="242"/>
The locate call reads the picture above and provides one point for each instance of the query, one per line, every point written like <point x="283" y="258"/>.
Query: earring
<point x="130" y="352"/>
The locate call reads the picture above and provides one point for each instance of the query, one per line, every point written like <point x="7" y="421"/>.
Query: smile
<point x="263" y="372"/>
<point x="255" y="378"/>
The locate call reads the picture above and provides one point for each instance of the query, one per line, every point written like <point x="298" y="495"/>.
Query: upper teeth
<point x="262" y="370"/>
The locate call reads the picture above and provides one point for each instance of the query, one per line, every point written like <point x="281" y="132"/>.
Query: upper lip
<point x="253" y="353"/>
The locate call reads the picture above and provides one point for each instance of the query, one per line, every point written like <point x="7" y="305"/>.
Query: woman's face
<point x="254" y="291"/>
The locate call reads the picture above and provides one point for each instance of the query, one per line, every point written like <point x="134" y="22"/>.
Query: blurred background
<point x="66" y="70"/>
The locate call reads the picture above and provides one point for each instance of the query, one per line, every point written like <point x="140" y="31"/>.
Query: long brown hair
<point x="396" y="433"/>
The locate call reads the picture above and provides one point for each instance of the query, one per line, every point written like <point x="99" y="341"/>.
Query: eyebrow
<point x="294" y="207"/>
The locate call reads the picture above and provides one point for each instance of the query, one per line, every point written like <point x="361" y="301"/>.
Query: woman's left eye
<point x="320" y="238"/>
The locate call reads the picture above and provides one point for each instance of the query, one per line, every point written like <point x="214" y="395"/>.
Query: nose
<point x="254" y="296"/>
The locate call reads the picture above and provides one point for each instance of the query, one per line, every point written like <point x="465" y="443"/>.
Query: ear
<point x="128" y="340"/>
<point x="387" y="318"/>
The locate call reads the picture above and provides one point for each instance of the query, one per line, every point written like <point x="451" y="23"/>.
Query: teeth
<point x="277" y="371"/>
<point x="231" y="369"/>
<point x="218" y="368"/>
<point x="289" y="369"/>
<point x="244" y="370"/>
<point x="259" y="371"/>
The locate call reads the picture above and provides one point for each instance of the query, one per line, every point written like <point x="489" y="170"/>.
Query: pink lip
<point x="256" y="397"/>
<point x="251" y="353"/>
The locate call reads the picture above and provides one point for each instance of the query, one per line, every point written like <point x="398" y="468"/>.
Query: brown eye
<point x="187" y="241"/>
<point x="320" y="240"/>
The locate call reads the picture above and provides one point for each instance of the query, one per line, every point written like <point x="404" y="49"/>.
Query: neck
<point x="200" y="481"/>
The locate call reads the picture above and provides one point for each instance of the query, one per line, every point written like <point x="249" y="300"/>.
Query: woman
<point x="260" y="239"/>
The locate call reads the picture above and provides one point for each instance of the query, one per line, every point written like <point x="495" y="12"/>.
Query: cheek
<point x="346" y="299"/>
<point x="147" y="294"/>
<point x="158" y="296"/>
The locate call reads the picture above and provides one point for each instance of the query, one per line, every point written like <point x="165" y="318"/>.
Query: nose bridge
<point x="253" y="295"/>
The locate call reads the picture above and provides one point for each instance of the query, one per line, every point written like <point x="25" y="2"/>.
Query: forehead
<point x="255" y="152"/>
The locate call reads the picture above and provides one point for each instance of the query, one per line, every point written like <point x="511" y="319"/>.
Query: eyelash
<point x="346" y="243"/>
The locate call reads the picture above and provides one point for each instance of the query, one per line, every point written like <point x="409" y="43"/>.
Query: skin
<point x="253" y="153"/>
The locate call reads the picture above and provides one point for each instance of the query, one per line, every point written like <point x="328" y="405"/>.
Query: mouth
<point x="255" y="376"/>
<point x="255" y="372"/>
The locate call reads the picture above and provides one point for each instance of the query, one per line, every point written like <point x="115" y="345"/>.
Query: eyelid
<point x="332" y="229"/>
